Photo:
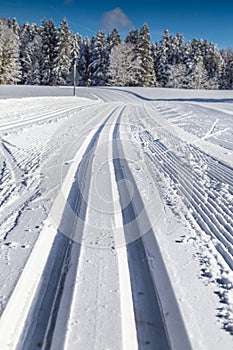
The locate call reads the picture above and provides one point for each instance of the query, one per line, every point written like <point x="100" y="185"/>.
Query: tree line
<point x="46" y="55"/>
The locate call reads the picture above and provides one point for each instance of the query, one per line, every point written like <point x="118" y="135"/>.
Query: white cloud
<point x="115" y="18"/>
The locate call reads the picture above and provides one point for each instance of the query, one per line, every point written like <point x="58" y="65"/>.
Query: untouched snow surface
<point x="116" y="218"/>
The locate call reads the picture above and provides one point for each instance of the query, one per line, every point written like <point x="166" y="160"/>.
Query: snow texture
<point x="122" y="198"/>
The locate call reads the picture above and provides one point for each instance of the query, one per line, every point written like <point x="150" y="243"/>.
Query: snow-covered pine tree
<point x="124" y="67"/>
<point x="113" y="39"/>
<point x="163" y="73"/>
<point x="198" y="76"/>
<point x="37" y="73"/>
<point x="84" y="62"/>
<point x="227" y="76"/>
<point x="98" y="61"/>
<point x="214" y="65"/>
<point x="176" y="51"/>
<point x="25" y="36"/>
<point x="30" y="54"/>
<point x="193" y="60"/>
<point x="63" y="51"/>
<point x="75" y="57"/>
<point x="161" y="64"/>
<point x="10" y="69"/>
<point x="203" y="47"/>
<point x="188" y="59"/>
<point x="49" y="38"/>
<point x="168" y="57"/>
<point x="155" y="55"/>
<point x="166" y="43"/>
<point x="133" y="37"/>
<point x="15" y="26"/>
<point x="144" y="54"/>
<point x="35" y="30"/>
<point x="32" y="61"/>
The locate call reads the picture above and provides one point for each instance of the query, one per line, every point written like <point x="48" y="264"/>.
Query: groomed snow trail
<point x="121" y="308"/>
<point x="98" y="191"/>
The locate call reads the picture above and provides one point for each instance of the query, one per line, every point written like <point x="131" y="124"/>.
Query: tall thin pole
<point x="74" y="91"/>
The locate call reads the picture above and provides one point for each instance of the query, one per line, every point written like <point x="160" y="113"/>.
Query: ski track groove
<point x="213" y="217"/>
<point x="44" y="117"/>
<point x="140" y="271"/>
<point x="143" y="273"/>
<point x="176" y="115"/>
<point x="44" y="335"/>
<point x="197" y="198"/>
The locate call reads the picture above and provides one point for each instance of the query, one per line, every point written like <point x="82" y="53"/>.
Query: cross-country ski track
<point x="116" y="220"/>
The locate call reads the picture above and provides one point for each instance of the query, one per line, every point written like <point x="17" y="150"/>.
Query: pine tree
<point x="15" y="26"/>
<point x="62" y="61"/>
<point x="133" y="37"/>
<point x="75" y="57"/>
<point x="214" y="66"/>
<point x="10" y="69"/>
<point x="227" y="76"/>
<point x="155" y="55"/>
<point x="84" y="62"/>
<point x="32" y="62"/>
<point x="197" y="76"/>
<point x="49" y="44"/>
<point x="162" y="67"/>
<point x="35" y="30"/>
<point x="98" y="61"/>
<point x="166" y="44"/>
<point x="113" y="39"/>
<point x="195" y="70"/>
<point x="163" y="73"/>
<point x="176" y="50"/>
<point x="145" y="56"/>
<point x="25" y="37"/>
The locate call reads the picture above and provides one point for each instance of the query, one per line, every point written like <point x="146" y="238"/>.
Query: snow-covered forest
<point x="46" y="55"/>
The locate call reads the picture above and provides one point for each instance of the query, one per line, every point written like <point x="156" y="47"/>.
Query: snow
<point x="176" y="165"/>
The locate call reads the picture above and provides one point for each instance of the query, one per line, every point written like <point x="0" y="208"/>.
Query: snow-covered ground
<point x="116" y="218"/>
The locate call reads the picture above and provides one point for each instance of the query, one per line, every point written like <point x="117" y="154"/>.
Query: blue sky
<point x="200" y="18"/>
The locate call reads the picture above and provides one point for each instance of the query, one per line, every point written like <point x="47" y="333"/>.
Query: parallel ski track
<point x="217" y="169"/>
<point x="43" y="314"/>
<point x="104" y="95"/>
<point x="151" y="328"/>
<point x="38" y="118"/>
<point x="152" y="332"/>
<point x="173" y="114"/>
<point x="18" y="170"/>
<point x="212" y="216"/>
<point x="176" y="114"/>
